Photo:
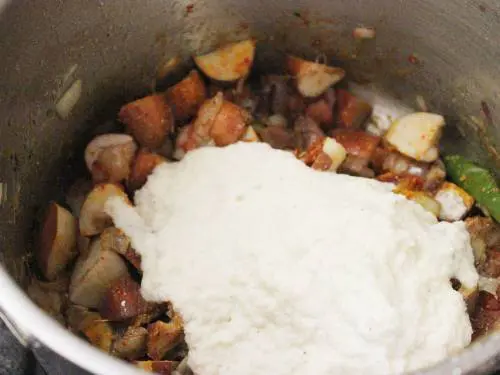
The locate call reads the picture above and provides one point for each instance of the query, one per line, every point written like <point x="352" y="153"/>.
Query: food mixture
<point x="272" y="265"/>
<point x="271" y="224"/>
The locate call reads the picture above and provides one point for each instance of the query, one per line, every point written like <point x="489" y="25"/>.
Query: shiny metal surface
<point x="446" y="51"/>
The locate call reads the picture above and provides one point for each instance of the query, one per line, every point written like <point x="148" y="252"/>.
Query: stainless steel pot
<point x="445" y="51"/>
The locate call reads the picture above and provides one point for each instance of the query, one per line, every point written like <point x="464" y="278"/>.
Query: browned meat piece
<point x="163" y="337"/>
<point x="95" y="329"/>
<point x="186" y="97"/>
<point x="277" y="137"/>
<point x="357" y="143"/>
<point x="123" y="300"/>
<point x="229" y="124"/>
<point x="486" y="318"/>
<point x="144" y="164"/>
<point x="322" y="110"/>
<point x="352" y="112"/>
<point x="149" y="120"/>
<point x="132" y="344"/>
<point x="485" y="241"/>
<point x="307" y="132"/>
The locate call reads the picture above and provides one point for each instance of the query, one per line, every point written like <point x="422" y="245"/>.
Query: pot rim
<point x="37" y="328"/>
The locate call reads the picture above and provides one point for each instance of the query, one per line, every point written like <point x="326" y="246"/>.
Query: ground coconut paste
<point x="280" y="269"/>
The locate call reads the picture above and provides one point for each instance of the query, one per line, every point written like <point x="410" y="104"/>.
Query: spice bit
<point x="413" y="59"/>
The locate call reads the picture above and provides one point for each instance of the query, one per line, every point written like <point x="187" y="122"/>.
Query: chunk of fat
<point x="335" y="151"/>
<point x="455" y="202"/>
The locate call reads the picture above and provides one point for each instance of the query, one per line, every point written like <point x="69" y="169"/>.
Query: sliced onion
<point x="68" y="100"/>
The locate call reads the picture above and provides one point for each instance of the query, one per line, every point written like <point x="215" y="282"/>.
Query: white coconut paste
<point x="279" y="269"/>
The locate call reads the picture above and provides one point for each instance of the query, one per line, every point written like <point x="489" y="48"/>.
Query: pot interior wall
<point x="444" y="51"/>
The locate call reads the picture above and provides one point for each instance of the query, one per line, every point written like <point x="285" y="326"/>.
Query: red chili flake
<point x="413" y="59"/>
<point x="189" y="8"/>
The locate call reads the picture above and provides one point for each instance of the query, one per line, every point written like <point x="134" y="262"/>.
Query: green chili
<point x="476" y="181"/>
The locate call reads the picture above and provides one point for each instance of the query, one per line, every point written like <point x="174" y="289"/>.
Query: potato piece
<point x="250" y="135"/>
<point x="187" y="96"/>
<point x="313" y="79"/>
<point x="163" y="337"/>
<point x="352" y="112"/>
<point x="144" y="164"/>
<point x="94" y="274"/>
<point x="57" y="241"/>
<point x="229" y="125"/>
<point x="417" y="135"/>
<point x="149" y="120"/>
<point x="93" y="219"/>
<point x="132" y="345"/>
<point x="228" y="63"/>
<point x="123" y="300"/>
<point x="97" y="331"/>
<point x="357" y="143"/>
<point x="114" y="239"/>
<point x="455" y="202"/>
<point x="83" y="244"/>
<point x="158" y="367"/>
